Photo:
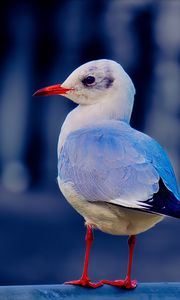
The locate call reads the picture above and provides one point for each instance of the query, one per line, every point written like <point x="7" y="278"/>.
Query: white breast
<point x="85" y="115"/>
<point x="79" y="117"/>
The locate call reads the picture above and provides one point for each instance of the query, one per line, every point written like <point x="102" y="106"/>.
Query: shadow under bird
<point x="119" y="179"/>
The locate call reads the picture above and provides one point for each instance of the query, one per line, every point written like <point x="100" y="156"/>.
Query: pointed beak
<point x="56" y="89"/>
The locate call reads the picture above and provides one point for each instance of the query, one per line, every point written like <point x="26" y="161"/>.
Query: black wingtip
<point x="164" y="202"/>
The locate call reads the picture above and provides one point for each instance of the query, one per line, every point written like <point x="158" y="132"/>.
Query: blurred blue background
<point x="41" y="236"/>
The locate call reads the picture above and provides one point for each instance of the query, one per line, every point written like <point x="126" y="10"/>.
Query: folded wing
<point x="117" y="164"/>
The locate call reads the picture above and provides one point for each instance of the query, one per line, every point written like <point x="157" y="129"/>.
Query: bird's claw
<point x="126" y="284"/>
<point x="85" y="282"/>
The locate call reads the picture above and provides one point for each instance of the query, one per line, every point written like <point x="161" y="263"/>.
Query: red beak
<point x="56" y="89"/>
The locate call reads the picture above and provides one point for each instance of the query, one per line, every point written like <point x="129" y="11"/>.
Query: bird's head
<point x="93" y="82"/>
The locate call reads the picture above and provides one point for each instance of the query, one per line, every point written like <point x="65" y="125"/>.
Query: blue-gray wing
<point x="117" y="164"/>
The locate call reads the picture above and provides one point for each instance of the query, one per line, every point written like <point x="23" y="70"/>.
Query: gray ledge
<point x="144" y="291"/>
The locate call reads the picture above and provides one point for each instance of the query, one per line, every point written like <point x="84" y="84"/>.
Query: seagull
<point x="119" y="179"/>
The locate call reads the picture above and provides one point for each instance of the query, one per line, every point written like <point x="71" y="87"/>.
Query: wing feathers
<point x="116" y="164"/>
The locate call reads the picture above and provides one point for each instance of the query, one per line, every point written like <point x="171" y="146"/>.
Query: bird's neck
<point x="84" y="115"/>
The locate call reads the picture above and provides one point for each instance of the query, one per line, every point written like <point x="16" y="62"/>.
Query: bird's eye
<point x="88" y="80"/>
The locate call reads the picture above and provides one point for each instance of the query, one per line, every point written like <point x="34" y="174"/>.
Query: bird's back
<point x="114" y="163"/>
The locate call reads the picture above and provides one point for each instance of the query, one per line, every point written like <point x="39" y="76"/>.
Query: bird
<point x="118" y="178"/>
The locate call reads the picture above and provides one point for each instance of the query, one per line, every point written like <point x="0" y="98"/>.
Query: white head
<point x="102" y="83"/>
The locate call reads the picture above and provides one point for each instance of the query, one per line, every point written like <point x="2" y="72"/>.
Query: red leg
<point x="84" y="280"/>
<point x="127" y="282"/>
